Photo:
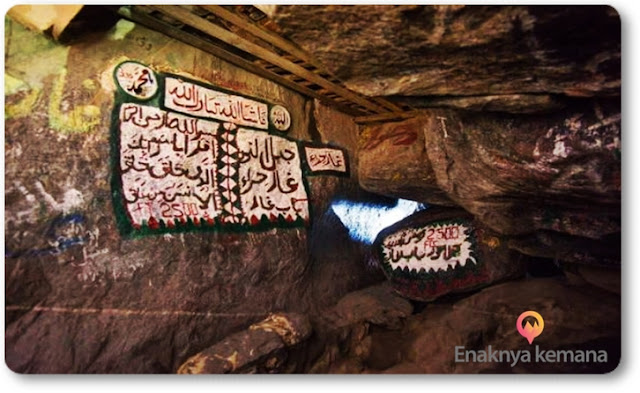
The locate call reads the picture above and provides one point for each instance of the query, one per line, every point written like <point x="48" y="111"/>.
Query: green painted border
<point x="446" y="276"/>
<point x="123" y="221"/>
<point x="128" y="97"/>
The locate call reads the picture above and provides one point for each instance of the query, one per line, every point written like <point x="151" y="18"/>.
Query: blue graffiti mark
<point x="365" y="220"/>
<point x="68" y="219"/>
<point x="61" y="244"/>
<point x="10" y="254"/>
<point x="64" y="232"/>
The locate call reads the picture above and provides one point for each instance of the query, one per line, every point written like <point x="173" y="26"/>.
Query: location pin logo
<point x="530" y="331"/>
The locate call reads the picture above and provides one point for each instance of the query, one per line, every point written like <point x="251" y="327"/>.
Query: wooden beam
<point x="42" y="17"/>
<point x="387" y="104"/>
<point x="146" y="20"/>
<point x="230" y="38"/>
<point x="387" y="117"/>
<point x="267" y="36"/>
<point x="284" y="45"/>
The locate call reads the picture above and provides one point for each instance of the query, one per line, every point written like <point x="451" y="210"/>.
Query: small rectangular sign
<point x="325" y="159"/>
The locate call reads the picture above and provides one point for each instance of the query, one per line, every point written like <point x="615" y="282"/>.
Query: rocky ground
<point x="376" y="331"/>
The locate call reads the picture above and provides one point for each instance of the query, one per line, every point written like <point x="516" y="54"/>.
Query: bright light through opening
<point x="364" y="220"/>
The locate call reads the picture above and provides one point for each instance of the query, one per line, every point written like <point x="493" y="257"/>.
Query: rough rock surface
<point x="82" y="299"/>
<point x="521" y="125"/>
<point x="336" y="129"/>
<point x="576" y="317"/>
<point x="508" y="103"/>
<point x="342" y="333"/>
<point x="580" y="317"/>
<point x="376" y="305"/>
<point x="457" y="50"/>
<point x="384" y="152"/>
<point x="552" y="182"/>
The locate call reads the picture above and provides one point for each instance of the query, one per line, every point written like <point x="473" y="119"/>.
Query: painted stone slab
<point x="188" y="156"/>
<point x="439" y="251"/>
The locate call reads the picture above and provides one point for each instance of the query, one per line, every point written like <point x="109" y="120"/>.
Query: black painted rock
<point x="439" y="251"/>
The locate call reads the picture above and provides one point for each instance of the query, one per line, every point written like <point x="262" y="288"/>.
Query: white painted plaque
<point x="167" y="165"/>
<point x="196" y="100"/>
<point x="280" y="118"/>
<point x="136" y="80"/>
<point x="325" y="159"/>
<point x="270" y="177"/>
<point x="436" y="247"/>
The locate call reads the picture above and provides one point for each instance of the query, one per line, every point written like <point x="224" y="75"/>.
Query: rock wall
<point x="550" y="182"/>
<point x="385" y="149"/>
<point x="521" y="120"/>
<point x="83" y="298"/>
<point x="374" y="331"/>
<point x="458" y="50"/>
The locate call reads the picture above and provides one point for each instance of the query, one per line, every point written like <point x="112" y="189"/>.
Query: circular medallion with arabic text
<point x="136" y="80"/>
<point x="280" y="118"/>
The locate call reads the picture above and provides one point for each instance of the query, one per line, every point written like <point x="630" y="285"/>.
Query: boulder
<point x="394" y="162"/>
<point x="439" y="251"/>
<point x="259" y="349"/>
<point x="344" y="334"/>
<point x="377" y="305"/>
<point x="575" y="318"/>
<point x="458" y="50"/>
<point x="552" y="182"/>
